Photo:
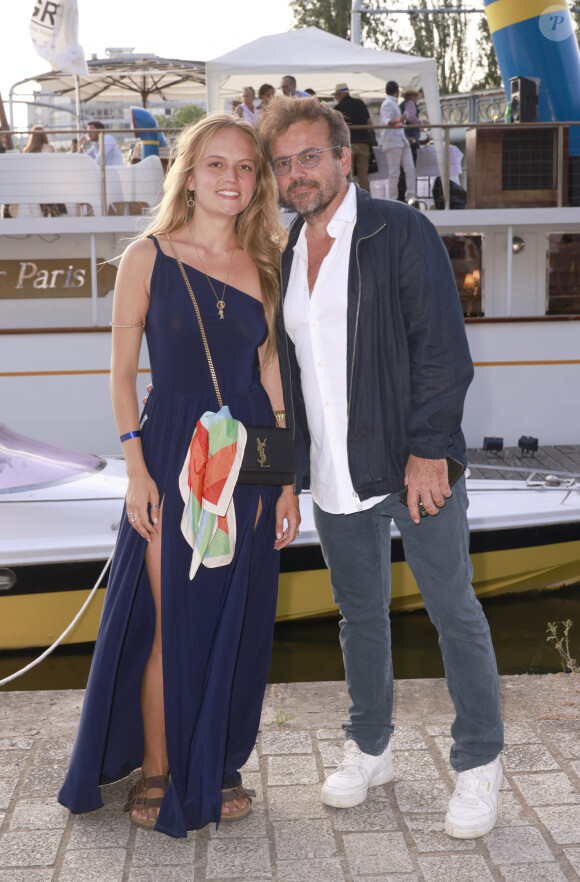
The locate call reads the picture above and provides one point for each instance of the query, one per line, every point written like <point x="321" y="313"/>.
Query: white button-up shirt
<point x="316" y="325"/>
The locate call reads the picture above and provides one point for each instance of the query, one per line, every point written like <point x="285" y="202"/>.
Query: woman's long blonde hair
<point x="258" y="228"/>
<point x="36" y="140"/>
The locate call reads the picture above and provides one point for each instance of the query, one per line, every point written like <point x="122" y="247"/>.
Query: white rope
<point x="64" y="633"/>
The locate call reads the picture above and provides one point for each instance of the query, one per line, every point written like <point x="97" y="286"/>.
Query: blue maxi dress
<point x="217" y="629"/>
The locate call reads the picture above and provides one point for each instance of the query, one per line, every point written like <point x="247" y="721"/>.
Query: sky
<point x="193" y="30"/>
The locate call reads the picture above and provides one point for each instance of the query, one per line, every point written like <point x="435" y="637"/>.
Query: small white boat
<point x="59" y="517"/>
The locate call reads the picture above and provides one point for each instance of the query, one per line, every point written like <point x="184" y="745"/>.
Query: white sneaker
<point x="358" y="771"/>
<point x="473" y="807"/>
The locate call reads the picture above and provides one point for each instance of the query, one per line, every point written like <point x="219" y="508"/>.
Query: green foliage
<point x="562" y="645"/>
<point x="281" y="717"/>
<point x="490" y="75"/>
<point x="181" y="117"/>
<point x="333" y="16"/>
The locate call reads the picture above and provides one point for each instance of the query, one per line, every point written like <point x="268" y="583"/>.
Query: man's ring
<point x="132" y="516"/>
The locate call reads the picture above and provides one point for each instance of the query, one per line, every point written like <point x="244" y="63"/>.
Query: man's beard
<point x="314" y="203"/>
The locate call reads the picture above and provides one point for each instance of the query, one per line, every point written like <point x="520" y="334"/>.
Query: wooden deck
<point x="564" y="458"/>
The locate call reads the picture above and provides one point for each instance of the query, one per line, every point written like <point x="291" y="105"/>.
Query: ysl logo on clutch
<point x="261" y="448"/>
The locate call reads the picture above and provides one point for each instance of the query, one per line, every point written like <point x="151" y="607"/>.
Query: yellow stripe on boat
<point x="504" y="13"/>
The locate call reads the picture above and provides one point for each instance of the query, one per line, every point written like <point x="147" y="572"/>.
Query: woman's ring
<point x="298" y="532"/>
<point x="132" y="516"/>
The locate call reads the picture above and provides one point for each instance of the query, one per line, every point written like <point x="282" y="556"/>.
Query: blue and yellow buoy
<point x="536" y="39"/>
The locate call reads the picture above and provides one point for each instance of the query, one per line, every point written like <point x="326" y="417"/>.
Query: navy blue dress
<point x="217" y="629"/>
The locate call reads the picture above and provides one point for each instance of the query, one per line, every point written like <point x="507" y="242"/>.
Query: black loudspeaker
<point x="524" y="99"/>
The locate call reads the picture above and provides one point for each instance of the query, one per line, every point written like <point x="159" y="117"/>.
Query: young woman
<point x="180" y="665"/>
<point x="38" y="141"/>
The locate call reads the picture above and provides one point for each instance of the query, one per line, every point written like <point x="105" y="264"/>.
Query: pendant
<point x="221" y="306"/>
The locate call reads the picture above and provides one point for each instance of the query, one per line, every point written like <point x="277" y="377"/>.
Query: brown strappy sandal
<point x="240" y="792"/>
<point x="135" y="801"/>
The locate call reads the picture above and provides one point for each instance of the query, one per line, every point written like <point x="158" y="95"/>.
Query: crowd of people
<point x="348" y="331"/>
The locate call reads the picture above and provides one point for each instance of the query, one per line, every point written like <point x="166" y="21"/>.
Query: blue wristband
<point x="129" y="435"/>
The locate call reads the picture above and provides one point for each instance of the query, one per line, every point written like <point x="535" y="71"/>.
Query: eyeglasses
<point x="308" y="158"/>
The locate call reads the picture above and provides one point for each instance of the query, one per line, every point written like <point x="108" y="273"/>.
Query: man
<point x="288" y="87"/>
<point x="375" y="367"/>
<point x="395" y="145"/>
<point x="113" y="155"/>
<point x="356" y="113"/>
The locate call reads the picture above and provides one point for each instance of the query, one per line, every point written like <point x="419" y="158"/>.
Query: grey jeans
<point x="357" y="551"/>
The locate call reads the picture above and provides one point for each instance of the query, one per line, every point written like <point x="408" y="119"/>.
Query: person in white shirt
<point x="375" y="367"/>
<point x="288" y="87"/>
<point x="395" y="145"/>
<point x="113" y="155"/>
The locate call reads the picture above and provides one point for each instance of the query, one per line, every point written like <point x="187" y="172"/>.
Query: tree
<point x="180" y="117"/>
<point x="491" y="76"/>
<point x="333" y="16"/>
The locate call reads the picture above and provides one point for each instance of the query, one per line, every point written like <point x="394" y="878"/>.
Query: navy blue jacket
<point x="408" y="363"/>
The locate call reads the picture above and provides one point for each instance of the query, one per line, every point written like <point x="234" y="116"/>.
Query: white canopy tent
<point x="319" y="61"/>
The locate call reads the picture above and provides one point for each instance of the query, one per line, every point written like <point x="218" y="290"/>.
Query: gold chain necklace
<point x="221" y="304"/>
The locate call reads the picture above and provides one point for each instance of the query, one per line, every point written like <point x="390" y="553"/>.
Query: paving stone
<point x="93" y="865"/>
<point x="289" y="770"/>
<point x="285" y="741"/>
<point x="564" y="734"/>
<point x="390" y="877"/>
<point x="522" y="845"/>
<point x="7" y="787"/>
<point x="437" y="731"/>
<point x="458" y="867"/>
<point x="28" y="875"/>
<point x="331" y="752"/>
<point x="576" y="767"/>
<point x="520" y="733"/>
<point x="104" y="827"/>
<point x="253" y="763"/>
<point x="33" y="848"/>
<point x="301" y="801"/>
<point x="238" y="858"/>
<point x="563" y="822"/>
<point x="16" y="744"/>
<point x="43" y="779"/>
<point x="53" y="750"/>
<point x="528" y="758"/>
<point x="573" y="855"/>
<point x="414" y="765"/>
<point x="444" y="744"/>
<point x="510" y="813"/>
<point x="169" y="874"/>
<point x="253" y="824"/>
<point x="39" y="814"/>
<point x="552" y="788"/>
<point x="326" y="734"/>
<point x="374" y="814"/>
<point x="407" y="738"/>
<point x="13" y="761"/>
<point x="377" y="853"/>
<point x="537" y="873"/>
<point x="429" y="834"/>
<point x="304" y="840"/>
<point x="156" y="850"/>
<point x="314" y="871"/>
<point x="422" y="796"/>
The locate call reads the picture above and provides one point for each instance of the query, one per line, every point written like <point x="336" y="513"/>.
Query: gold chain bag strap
<point x="269" y="453"/>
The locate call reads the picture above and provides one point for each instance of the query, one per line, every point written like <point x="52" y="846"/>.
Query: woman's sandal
<point x="232" y="793"/>
<point x="135" y="801"/>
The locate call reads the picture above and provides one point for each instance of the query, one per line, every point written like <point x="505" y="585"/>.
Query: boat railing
<point x="530" y="477"/>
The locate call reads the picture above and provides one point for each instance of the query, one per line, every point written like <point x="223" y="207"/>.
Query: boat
<point x="60" y="510"/>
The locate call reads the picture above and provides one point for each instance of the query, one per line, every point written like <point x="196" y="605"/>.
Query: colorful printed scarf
<point x="206" y="483"/>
